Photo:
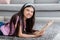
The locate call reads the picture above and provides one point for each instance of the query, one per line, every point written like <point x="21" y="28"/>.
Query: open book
<point x="47" y="25"/>
<point x="50" y="22"/>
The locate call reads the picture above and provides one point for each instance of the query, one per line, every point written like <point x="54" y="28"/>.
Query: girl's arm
<point x="20" y="34"/>
<point x="20" y="31"/>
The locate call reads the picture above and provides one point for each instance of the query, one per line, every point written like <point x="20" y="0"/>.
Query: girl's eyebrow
<point x="28" y="10"/>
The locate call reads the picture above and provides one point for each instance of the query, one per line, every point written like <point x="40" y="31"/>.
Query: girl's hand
<point x="39" y="33"/>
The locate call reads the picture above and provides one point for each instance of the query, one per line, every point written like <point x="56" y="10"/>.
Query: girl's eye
<point x="31" y="11"/>
<point x="27" y="9"/>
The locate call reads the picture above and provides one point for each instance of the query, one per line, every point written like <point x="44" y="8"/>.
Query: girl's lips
<point x="28" y="14"/>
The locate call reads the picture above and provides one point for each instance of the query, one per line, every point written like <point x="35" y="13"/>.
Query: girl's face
<point x="28" y="12"/>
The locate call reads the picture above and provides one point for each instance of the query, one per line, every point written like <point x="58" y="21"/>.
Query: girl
<point x="21" y="24"/>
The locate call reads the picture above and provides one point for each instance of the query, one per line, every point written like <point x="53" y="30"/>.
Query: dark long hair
<point x="29" y="22"/>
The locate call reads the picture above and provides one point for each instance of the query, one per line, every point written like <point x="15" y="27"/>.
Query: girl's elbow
<point x="20" y="35"/>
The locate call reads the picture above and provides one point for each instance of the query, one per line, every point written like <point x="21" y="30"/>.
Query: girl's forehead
<point x="30" y="8"/>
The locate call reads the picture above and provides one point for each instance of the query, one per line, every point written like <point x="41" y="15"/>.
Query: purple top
<point x="6" y="29"/>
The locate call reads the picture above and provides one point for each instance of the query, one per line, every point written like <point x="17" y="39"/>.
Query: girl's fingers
<point x="39" y="32"/>
<point x="42" y="32"/>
